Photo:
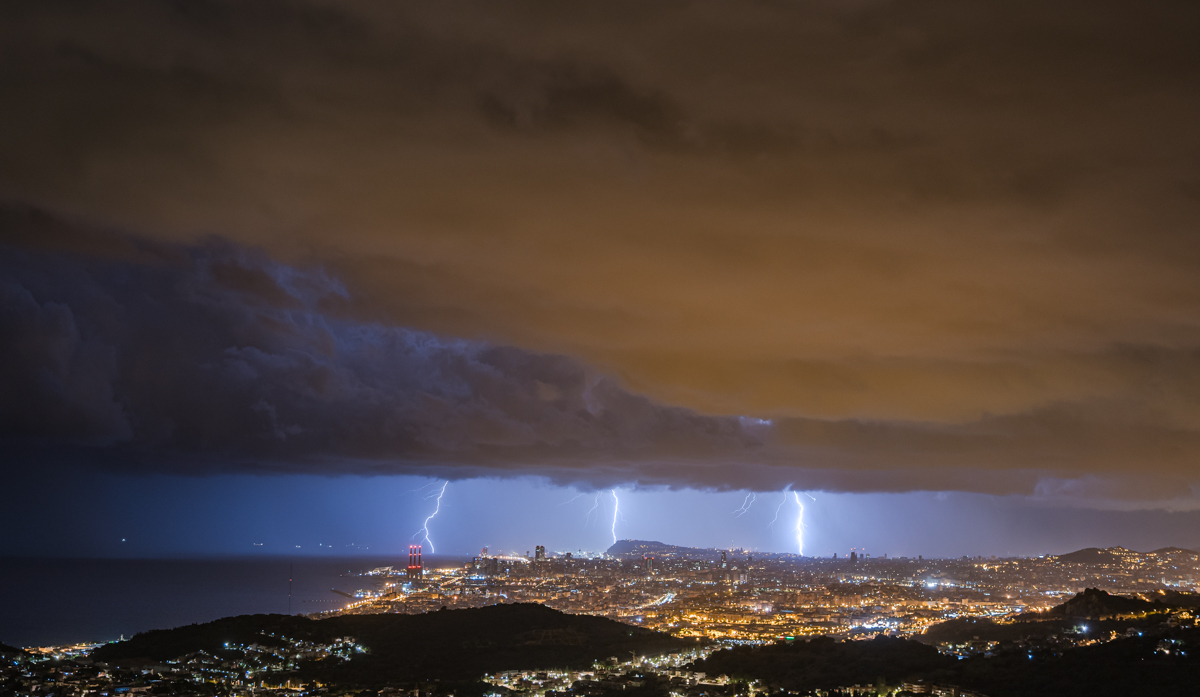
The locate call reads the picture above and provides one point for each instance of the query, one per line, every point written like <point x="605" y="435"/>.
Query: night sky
<point x="273" y="272"/>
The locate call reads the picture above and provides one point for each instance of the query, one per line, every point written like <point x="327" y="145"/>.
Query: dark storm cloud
<point x="141" y="356"/>
<point x="940" y="245"/>
<point x="214" y="358"/>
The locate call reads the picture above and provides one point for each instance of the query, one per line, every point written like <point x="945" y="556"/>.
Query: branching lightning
<point x="425" y="527"/>
<point x="746" y="504"/>
<point x="569" y="500"/>
<point x="616" y="511"/>
<point x="595" y="505"/>
<point x="422" y="488"/>
<point x="799" y="524"/>
<point x="778" y="509"/>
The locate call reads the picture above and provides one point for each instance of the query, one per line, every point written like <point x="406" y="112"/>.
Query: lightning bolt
<point x="778" y="509"/>
<point x="569" y="500"/>
<point x="616" y="510"/>
<point x="425" y="525"/>
<point x="422" y="488"/>
<point x="595" y="505"/>
<point x="799" y="524"/>
<point x="750" y="499"/>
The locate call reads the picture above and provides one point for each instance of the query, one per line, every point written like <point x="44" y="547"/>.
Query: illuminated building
<point x="415" y="570"/>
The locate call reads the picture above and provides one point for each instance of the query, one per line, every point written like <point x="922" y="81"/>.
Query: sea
<point x="52" y="602"/>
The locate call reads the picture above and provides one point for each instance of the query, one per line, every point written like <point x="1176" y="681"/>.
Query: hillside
<point x="1033" y="626"/>
<point x="639" y="548"/>
<point x="635" y="549"/>
<point x="1094" y="603"/>
<point x="1095" y="555"/>
<point x="1172" y="598"/>
<point x="449" y="644"/>
<point x="1107" y="612"/>
<point x="825" y="663"/>
<point x="1132" y="666"/>
<point x="1175" y="551"/>
<point x="1117" y="555"/>
<point x="964" y="629"/>
<point x="11" y="650"/>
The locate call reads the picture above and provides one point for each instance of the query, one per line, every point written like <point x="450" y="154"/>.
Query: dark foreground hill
<point x="448" y="644"/>
<point x="1162" y="663"/>
<point x="11" y="650"/>
<point x="824" y="663"/>
<point x="968" y="629"/>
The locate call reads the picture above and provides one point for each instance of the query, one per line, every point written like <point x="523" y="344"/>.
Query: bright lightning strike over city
<point x="616" y="512"/>
<point x="799" y="524"/>
<point x="437" y="508"/>
<point x="273" y="273"/>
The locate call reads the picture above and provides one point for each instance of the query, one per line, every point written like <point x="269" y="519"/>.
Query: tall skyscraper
<point x="539" y="553"/>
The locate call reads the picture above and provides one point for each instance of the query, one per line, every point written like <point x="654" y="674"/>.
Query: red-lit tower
<point x="415" y="570"/>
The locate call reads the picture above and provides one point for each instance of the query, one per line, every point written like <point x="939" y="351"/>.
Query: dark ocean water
<point x="58" y="601"/>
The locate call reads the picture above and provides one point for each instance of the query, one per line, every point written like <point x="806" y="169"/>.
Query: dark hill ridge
<point x="638" y="548"/>
<point x="1116" y="555"/>
<point x="1175" y="551"/>
<point x="1130" y="666"/>
<point x="1096" y="555"/>
<point x="1094" y="603"/>
<point x="632" y="549"/>
<point x="963" y="629"/>
<point x="1178" y="598"/>
<point x="823" y="663"/>
<point x="1108" y="613"/>
<point x="11" y="650"/>
<point x="448" y="644"/>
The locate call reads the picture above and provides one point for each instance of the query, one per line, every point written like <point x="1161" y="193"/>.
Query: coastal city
<point x="709" y="601"/>
<point x="740" y="596"/>
<point x="604" y="348"/>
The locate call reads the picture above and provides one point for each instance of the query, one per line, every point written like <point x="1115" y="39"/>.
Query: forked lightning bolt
<point x="595" y="505"/>
<point x="778" y="509"/>
<point x="569" y="500"/>
<point x="799" y="524"/>
<point x="422" y="488"/>
<point x="616" y="509"/>
<point x="750" y="499"/>
<point x="425" y="527"/>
